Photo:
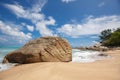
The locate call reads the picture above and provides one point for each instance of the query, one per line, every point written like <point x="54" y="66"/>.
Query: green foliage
<point x="118" y="30"/>
<point x="105" y="34"/>
<point x="112" y="39"/>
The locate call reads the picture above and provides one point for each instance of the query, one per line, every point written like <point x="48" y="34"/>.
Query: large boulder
<point x="44" y="49"/>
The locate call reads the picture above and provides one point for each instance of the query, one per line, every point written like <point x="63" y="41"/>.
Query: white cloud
<point x="70" y="29"/>
<point x="90" y="26"/>
<point x="34" y="14"/>
<point x="67" y="1"/>
<point x="43" y="30"/>
<point x="30" y="28"/>
<point x="94" y="37"/>
<point x="38" y="5"/>
<point x="27" y="14"/>
<point x="17" y="9"/>
<point x="101" y="4"/>
<point x="14" y="33"/>
<point x="95" y="42"/>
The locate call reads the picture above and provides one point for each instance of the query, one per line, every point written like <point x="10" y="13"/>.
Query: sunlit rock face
<point x="44" y="49"/>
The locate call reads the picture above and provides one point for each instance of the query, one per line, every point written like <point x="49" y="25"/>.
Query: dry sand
<point x="100" y="70"/>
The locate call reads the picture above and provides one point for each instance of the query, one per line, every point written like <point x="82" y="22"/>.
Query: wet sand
<point x="108" y="69"/>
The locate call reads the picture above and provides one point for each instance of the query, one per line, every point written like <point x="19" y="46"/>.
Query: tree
<point x="110" y="38"/>
<point x="114" y="39"/>
<point x="105" y="34"/>
<point x="117" y="30"/>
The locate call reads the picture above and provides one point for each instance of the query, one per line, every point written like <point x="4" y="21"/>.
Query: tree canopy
<point x="110" y="38"/>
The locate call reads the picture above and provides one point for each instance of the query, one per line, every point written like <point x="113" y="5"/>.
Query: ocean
<point x="3" y="52"/>
<point x="78" y="56"/>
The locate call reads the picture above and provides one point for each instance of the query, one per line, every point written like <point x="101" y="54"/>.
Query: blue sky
<point x="79" y="21"/>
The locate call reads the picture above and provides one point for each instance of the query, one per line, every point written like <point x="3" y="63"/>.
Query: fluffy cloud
<point x="90" y="26"/>
<point x="13" y="33"/>
<point x="23" y="13"/>
<point x="70" y="30"/>
<point x="67" y="1"/>
<point x="41" y="26"/>
<point x="38" y="5"/>
<point x="17" y="9"/>
<point x="35" y="16"/>
<point x="30" y="28"/>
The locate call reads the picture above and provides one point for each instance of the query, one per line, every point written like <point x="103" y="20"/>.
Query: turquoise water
<point x="3" y="52"/>
<point x="77" y="56"/>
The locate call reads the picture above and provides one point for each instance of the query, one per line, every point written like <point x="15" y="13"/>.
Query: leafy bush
<point x="110" y="38"/>
<point x="105" y="34"/>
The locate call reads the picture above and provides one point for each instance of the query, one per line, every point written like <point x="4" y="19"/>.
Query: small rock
<point x="102" y="54"/>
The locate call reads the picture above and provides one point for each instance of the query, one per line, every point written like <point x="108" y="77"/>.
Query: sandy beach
<point x="108" y="69"/>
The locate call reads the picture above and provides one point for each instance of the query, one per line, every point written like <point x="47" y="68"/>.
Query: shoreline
<point x="108" y="69"/>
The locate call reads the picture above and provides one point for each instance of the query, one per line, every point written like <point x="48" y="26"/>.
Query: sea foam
<point x="77" y="56"/>
<point x="86" y="56"/>
<point x="7" y="66"/>
<point x="3" y="52"/>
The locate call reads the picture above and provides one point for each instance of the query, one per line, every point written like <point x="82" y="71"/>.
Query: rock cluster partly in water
<point x="44" y="49"/>
<point x="96" y="47"/>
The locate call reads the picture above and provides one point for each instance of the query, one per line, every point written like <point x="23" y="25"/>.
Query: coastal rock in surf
<point x="44" y="49"/>
<point x="96" y="47"/>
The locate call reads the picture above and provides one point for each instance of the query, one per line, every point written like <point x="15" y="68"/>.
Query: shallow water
<point x="77" y="56"/>
<point x="6" y="66"/>
<point x="3" y="52"/>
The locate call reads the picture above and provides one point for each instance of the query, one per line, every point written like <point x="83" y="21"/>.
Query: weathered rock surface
<point x="44" y="49"/>
<point x="97" y="47"/>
